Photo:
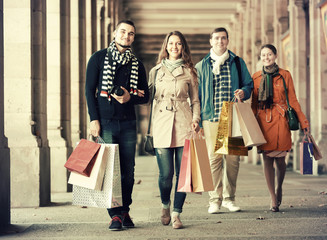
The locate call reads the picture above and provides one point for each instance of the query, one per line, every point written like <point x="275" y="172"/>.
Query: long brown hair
<point x="186" y="54"/>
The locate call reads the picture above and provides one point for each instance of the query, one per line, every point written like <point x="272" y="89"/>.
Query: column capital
<point x="299" y="3"/>
<point x="241" y="7"/>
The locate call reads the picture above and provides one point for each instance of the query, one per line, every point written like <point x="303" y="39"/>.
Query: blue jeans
<point x="122" y="132"/>
<point x="165" y="159"/>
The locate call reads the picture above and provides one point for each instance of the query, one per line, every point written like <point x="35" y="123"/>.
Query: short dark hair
<point x="220" y="29"/>
<point x="271" y="47"/>
<point x="129" y="22"/>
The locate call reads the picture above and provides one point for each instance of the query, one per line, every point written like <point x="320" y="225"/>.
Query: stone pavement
<point x="303" y="212"/>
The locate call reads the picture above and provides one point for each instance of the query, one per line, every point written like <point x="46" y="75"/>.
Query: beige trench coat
<point x="176" y="104"/>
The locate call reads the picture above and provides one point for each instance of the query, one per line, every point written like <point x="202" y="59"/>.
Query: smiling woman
<point x="175" y="81"/>
<point x="269" y="105"/>
<point x="174" y="47"/>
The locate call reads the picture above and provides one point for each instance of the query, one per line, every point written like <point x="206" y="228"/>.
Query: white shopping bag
<point x="236" y="128"/>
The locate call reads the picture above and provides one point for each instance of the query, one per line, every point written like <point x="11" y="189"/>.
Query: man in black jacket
<point x="115" y="82"/>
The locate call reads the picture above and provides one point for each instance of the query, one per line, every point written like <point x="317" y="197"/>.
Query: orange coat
<point x="273" y="122"/>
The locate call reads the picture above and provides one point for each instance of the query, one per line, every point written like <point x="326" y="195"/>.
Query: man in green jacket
<point x="219" y="81"/>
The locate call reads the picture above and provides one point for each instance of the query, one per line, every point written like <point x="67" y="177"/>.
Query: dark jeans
<point x="165" y="159"/>
<point x="122" y="132"/>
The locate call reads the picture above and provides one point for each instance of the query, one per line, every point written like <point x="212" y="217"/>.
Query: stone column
<point x="255" y="42"/>
<point x="280" y="25"/>
<point x="255" y="35"/>
<point x="77" y="94"/>
<point x="112" y="19"/>
<point x="82" y="67"/>
<point x="232" y="34"/>
<point x="39" y="98"/>
<point x="107" y="33"/>
<point x="94" y="26"/>
<point x="4" y="150"/>
<point x="88" y="41"/>
<point x="100" y="23"/>
<point x="318" y="85"/>
<point x="238" y="41"/>
<point x="298" y="66"/>
<point x="88" y="29"/>
<point x="266" y="21"/>
<point x="247" y="35"/>
<point x="25" y="114"/>
<point x="57" y="144"/>
<point x="65" y="74"/>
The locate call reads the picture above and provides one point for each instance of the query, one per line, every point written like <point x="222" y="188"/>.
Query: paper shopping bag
<point x="306" y="155"/>
<point x="185" y="172"/>
<point x="83" y="157"/>
<point x="251" y="131"/>
<point x="236" y="128"/>
<point x="316" y="151"/>
<point x="201" y="171"/>
<point x="111" y="195"/>
<point x="95" y="180"/>
<point x="224" y="125"/>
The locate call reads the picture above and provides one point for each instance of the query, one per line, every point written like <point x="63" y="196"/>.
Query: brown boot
<point x="165" y="216"/>
<point x="177" y="224"/>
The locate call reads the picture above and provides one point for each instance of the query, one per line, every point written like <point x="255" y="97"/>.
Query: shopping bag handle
<point x="306" y="136"/>
<point x="97" y="139"/>
<point x="194" y="135"/>
<point x="236" y="98"/>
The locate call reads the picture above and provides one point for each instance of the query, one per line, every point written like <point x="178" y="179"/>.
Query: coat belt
<point x="280" y="108"/>
<point x="171" y="102"/>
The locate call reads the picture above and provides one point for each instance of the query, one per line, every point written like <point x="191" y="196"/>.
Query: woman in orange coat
<point x="269" y="106"/>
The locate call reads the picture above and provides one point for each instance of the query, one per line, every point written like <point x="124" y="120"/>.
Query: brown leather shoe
<point x="177" y="224"/>
<point x="165" y="216"/>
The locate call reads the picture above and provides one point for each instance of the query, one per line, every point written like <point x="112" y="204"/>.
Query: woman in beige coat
<point x="176" y="113"/>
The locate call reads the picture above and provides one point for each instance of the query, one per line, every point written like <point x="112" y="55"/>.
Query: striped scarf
<point x="109" y="70"/>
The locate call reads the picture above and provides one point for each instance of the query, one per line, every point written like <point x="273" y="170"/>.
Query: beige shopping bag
<point x="251" y="131"/>
<point x="236" y="127"/>
<point x="201" y="171"/>
<point x="316" y="151"/>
